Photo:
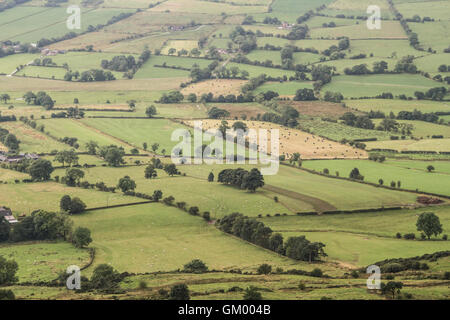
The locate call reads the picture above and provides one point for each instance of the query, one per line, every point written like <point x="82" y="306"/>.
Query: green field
<point x="42" y="72"/>
<point x="43" y="261"/>
<point x="285" y="88"/>
<point x="423" y="130"/>
<point x="388" y="105"/>
<point x="61" y="128"/>
<point x="412" y="145"/>
<point x="9" y="64"/>
<point x="32" y="140"/>
<point x="27" y="197"/>
<point x="412" y="174"/>
<point x="27" y="26"/>
<point x="373" y="85"/>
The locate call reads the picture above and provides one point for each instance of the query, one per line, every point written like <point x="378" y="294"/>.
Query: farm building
<point x="18" y="158"/>
<point x="7" y="214"/>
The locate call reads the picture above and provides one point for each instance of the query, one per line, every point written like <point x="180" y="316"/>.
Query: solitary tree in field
<point x="41" y="169"/>
<point x="429" y="224"/>
<point x="150" y="172"/>
<point x="145" y="146"/>
<point x="155" y="147"/>
<point x="151" y="111"/>
<point x="430" y="168"/>
<point x="5" y="97"/>
<point x="73" y="176"/>
<point x="253" y="180"/>
<point x="65" y="203"/>
<point x="392" y="287"/>
<point x="157" y="195"/>
<point x="179" y="292"/>
<point x="92" y="147"/>
<point x="126" y="184"/>
<point x="81" y="237"/>
<point x="252" y="293"/>
<point x="211" y="177"/>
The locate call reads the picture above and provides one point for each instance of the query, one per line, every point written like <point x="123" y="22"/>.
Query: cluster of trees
<point x="406" y="64"/>
<point x="230" y="98"/>
<point x="333" y="96"/>
<point x="245" y="40"/>
<point x="305" y="95"/>
<point x="437" y="93"/>
<point x="298" y="32"/>
<point x="40" y="225"/>
<point x="241" y="178"/>
<point x="215" y="71"/>
<point x="362" y="121"/>
<point x="171" y="97"/>
<point x="444" y="68"/>
<point x="119" y="63"/>
<point x="112" y="154"/>
<point x="9" y="140"/>
<point x="92" y="75"/>
<point x="418" y="115"/>
<point x="68" y="157"/>
<point x="217" y="113"/>
<point x="39" y="99"/>
<point x="104" y="278"/>
<point x="248" y="229"/>
<point x="289" y="117"/>
<point x="321" y="74"/>
<point x="71" y="205"/>
<point x="10" y="4"/>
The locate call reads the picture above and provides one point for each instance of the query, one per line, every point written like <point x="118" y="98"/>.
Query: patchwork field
<point x="218" y="86"/>
<point x="370" y="86"/>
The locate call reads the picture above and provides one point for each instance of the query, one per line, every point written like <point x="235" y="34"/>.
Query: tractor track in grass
<point x="318" y="204"/>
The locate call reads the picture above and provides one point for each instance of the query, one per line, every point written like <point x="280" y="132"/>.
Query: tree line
<point x="251" y="230"/>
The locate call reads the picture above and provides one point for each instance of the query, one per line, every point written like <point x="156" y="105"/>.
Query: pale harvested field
<point x="2" y="147"/>
<point x="292" y="140"/>
<point x="217" y="87"/>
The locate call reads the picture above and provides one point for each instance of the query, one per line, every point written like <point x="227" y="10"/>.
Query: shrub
<point x="195" y="266"/>
<point x="264" y="269"/>
<point x="409" y="236"/>
<point x="398" y="235"/>
<point x="142" y="285"/>
<point x="179" y="292"/>
<point x="251" y="293"/>
<point x="194" y="211"/>
<point x="316" y="273"/>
